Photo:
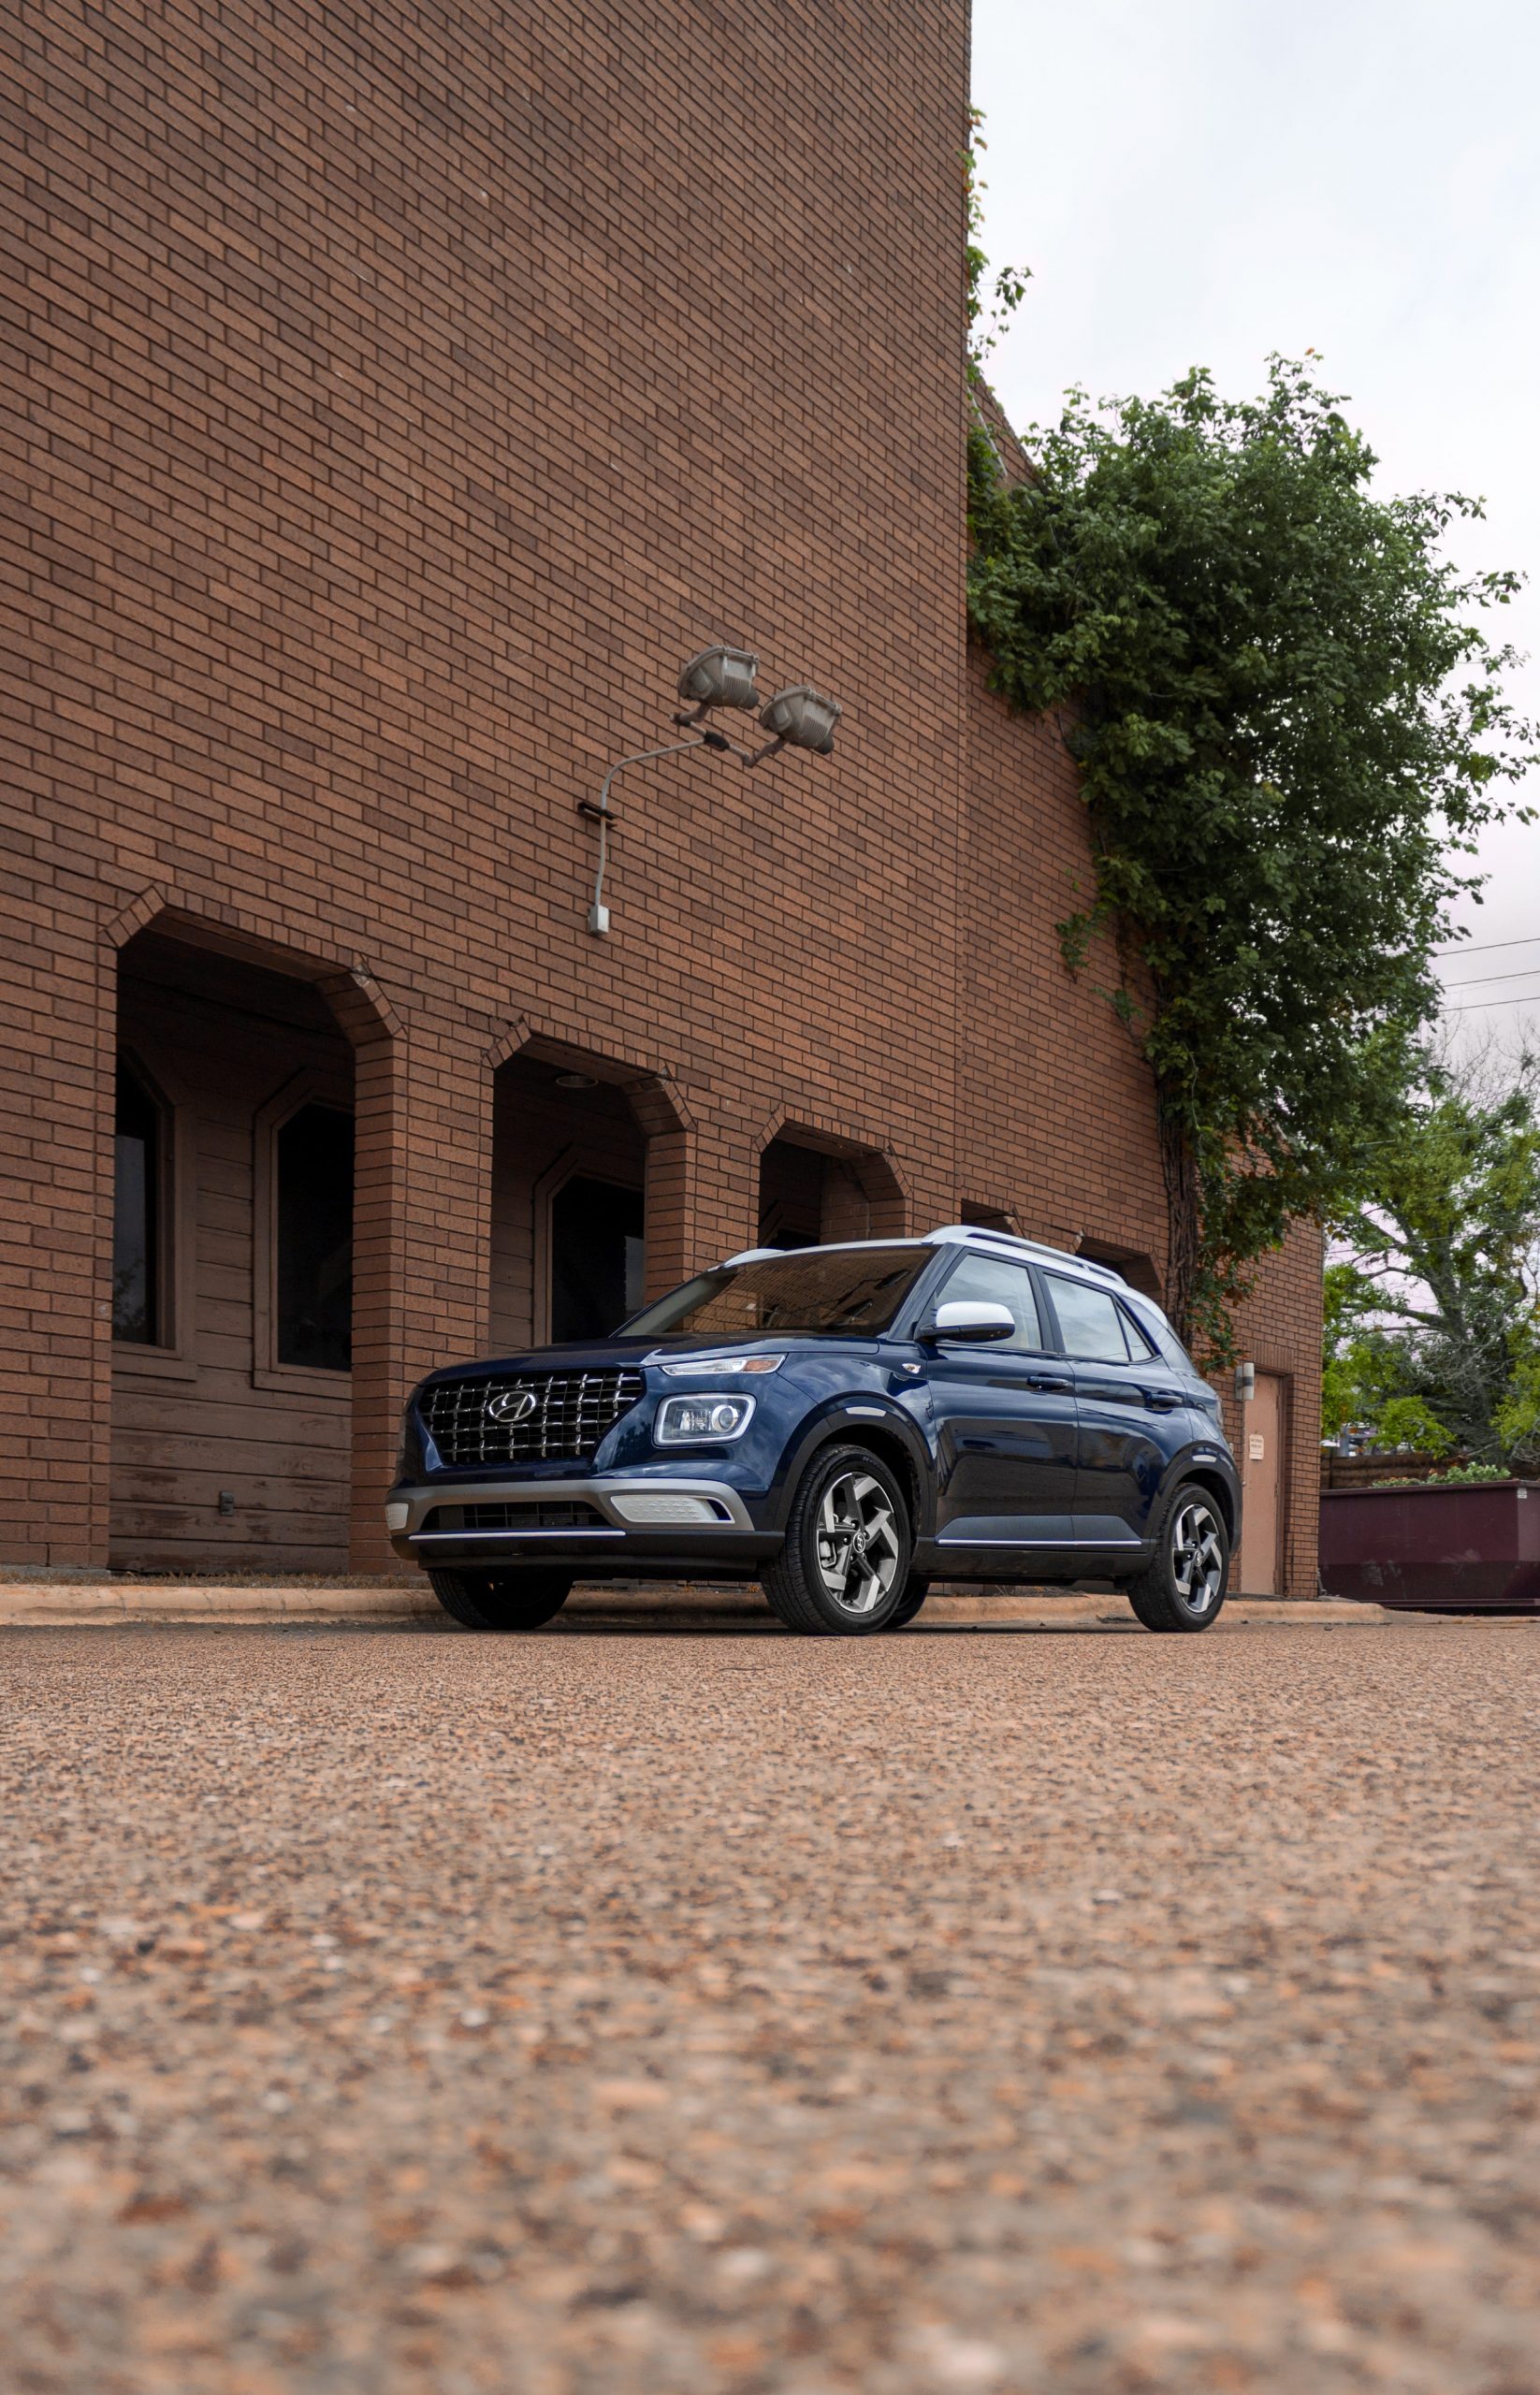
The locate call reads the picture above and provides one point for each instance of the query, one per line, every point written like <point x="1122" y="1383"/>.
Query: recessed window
<point x="313" y="1161"/>
<point x="139" y="1143"/>
<point x="596" y="1258"/>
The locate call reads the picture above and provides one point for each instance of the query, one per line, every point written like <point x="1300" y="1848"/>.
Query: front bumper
<point x="626" y="1540"/>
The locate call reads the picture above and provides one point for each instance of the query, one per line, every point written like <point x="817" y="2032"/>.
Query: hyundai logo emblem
<point x="512" y="1405"/>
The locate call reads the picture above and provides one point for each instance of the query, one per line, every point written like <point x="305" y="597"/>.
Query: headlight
<point x="687" y="1421"/>
<point x="723" y="1364"/>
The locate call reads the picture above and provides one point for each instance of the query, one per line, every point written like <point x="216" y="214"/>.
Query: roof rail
<point x="979" y="1235"/>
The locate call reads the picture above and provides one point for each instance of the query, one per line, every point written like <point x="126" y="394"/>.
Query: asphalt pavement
<point x="670" y="2009"/>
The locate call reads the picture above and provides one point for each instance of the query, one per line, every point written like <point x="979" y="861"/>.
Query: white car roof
<point x="985" y="1242"/>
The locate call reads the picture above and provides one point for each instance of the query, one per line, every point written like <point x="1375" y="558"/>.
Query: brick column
<point x="422" y="1173"/>
<point x="60" y="1006"/>
<point x="670" y="1183"/>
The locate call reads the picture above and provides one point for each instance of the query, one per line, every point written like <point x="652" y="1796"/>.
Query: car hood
<point x="600" y="1354"/>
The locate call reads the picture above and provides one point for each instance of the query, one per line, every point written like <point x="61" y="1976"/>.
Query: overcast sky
<point x="1201" y="181"/>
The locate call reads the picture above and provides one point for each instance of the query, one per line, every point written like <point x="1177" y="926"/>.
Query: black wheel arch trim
<point x="863" y="1422"/>
<point x="1214" y="1473"/>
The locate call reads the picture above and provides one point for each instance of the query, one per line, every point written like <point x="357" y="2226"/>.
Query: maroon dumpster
<point x="1469" y="1548"/>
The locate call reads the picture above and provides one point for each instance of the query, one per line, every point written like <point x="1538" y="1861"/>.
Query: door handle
<point x="1161" y="1401"/>
<point x="1048" y="1381"/>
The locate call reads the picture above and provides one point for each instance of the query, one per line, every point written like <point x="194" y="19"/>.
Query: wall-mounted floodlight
<point x="720" y="678"/>
<point x="799" y="717"/>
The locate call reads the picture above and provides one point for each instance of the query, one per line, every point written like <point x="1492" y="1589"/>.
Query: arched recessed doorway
<point x="585" y="1213"/>
<point x="232" y="1264"/>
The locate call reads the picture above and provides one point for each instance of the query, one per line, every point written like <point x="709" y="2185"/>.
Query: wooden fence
<point x="1362" y="1472"/>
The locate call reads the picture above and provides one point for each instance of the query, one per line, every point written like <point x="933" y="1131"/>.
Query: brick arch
<point x="361" y="1004"/>
<point x="649" y="1082"/>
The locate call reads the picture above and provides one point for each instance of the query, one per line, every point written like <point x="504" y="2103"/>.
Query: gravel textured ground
<point x="629" y="2009"/>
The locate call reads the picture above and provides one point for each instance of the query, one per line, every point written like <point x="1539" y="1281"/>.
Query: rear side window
<point x="1141" y="1345"/>
<point x="990" y="1279"/>
<point x="1091" y="1321"/>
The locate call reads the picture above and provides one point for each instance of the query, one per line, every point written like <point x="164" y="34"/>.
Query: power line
<point x="1478" y="980"/>
<point x="1483" y="947"/>
<point x="1525" y="999"/>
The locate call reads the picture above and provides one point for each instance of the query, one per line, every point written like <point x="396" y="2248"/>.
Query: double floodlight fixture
<point x="798" y="718"/>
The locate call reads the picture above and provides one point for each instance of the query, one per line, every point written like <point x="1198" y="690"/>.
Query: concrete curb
<point x="36" y="1604"/>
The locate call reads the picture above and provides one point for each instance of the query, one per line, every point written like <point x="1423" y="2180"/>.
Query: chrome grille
<point x="571" y="1414"/>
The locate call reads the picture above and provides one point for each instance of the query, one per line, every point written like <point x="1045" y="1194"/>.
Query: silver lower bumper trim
<point x="599" y="1490"/>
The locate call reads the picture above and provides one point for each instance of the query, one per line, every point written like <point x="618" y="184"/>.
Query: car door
<point x="1130" y="1406"/>
<point x="1005" y="1420"/>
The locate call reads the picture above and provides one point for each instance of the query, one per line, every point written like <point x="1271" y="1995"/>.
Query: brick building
<point x="395" y="397"/>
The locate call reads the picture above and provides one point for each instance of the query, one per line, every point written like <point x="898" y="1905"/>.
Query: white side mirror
<point x="972" y="1318"/>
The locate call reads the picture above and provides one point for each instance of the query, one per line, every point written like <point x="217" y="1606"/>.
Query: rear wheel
<point x="1184" y="1586"/>
<point x="842" y="1570"/>
<point x="501" y="1600"/>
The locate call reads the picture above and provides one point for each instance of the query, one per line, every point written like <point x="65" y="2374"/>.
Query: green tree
<point x="1433" y="1321"/>
<point x="1290" y="724"/>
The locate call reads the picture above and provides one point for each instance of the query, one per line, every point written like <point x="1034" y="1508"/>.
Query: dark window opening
<point x="136" y="1213"/>
<point x="791" y="1195"/>
<point x="314" y="1165"/>
<point x="985" y="1218"/>
<point x="596" y="1258"/>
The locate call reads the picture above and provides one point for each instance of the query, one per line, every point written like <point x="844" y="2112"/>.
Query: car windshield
<point x="817" y="1289"/>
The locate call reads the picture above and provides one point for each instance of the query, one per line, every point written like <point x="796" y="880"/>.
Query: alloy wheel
<point x="1198" y="1555"/>
<point x="858" y="1542"/>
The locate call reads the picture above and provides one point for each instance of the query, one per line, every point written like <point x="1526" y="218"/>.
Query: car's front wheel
<point x="1184" y="1586"/>
<point x="915" y="1593"/>
<point x="843" y="1569"/>
<point x="501" y="1600"/>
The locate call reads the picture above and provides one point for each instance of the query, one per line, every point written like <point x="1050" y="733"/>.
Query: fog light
<point x="396" y="1517"/>
<point x="663" y="1508"/>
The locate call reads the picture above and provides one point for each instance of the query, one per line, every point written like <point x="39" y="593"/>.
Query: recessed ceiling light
<point x="575" y="1080"/>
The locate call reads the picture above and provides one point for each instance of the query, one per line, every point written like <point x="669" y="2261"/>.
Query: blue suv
<point x="844" y="1423"/>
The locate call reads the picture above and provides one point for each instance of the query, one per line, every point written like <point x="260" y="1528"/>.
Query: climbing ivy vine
<point x="1290" y="723"/>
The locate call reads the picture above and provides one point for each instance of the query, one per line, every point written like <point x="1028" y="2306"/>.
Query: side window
<point x="1091" y="1321"/>
<point x="997" y="1282"/>
<point x="313" y="1163"/>
<point x="140" y="1142"/>
<point x="1141" y="1345"/>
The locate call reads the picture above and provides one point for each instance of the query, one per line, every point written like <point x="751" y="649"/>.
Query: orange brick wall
<point x="394" y="396"/>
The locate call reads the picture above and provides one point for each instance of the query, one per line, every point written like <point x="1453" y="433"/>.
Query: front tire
<point x="501" y="1601"/>
<point x="1185" y="1586"/>
<point x="842" y="1570"/>
<point x="915" y="1593"/>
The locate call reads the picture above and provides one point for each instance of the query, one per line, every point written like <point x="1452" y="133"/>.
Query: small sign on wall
<point x="1254" y="1448"/>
